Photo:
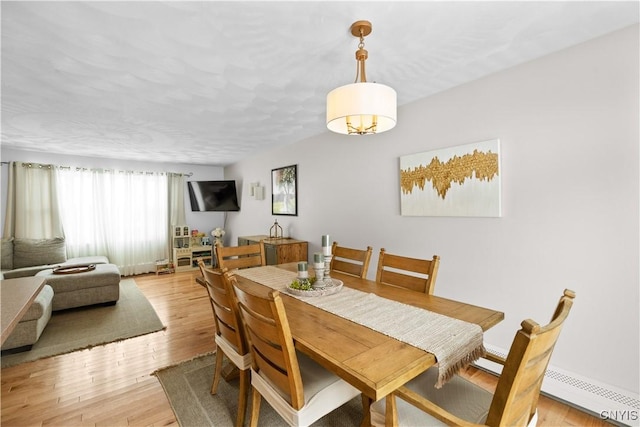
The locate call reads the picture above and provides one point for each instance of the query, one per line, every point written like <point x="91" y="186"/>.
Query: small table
<point x="17" y="296"/>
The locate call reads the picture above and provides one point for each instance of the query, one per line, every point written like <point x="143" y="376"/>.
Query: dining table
<point x="370" y="360"/>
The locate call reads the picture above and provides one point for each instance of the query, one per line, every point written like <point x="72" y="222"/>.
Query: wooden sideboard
<point x="279" y="251"/>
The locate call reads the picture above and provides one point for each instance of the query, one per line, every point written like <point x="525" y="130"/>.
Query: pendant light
<point x="361" y="108"/>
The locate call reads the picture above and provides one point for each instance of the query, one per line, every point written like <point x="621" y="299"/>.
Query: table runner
<point x="455" y="343"/>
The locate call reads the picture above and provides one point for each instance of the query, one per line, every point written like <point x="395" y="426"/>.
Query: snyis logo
<point x="626" y="415"/>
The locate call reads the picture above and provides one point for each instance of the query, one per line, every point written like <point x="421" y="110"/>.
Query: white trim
<point x="600" y="399"/>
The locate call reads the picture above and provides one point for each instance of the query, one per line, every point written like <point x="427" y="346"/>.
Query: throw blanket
<point x="454" y="343"/>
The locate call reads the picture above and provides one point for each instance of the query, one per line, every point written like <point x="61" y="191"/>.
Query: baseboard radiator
<point x="619" y="407"/>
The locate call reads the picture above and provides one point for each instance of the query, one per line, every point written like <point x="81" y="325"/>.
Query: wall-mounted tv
<point x="213" y="196"/>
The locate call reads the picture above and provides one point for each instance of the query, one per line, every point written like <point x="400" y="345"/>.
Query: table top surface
<point x="16" y="298"/>
<point x="373" y="362"/>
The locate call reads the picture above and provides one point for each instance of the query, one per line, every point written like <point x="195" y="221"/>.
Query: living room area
<point x="95" y="364"/>
<point x="130" y="110"/>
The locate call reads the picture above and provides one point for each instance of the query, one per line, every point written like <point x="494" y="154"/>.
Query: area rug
<point x="81" y="328"/>
<point x="188" y="387"/>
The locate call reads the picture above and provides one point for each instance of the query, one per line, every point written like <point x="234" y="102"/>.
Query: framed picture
<point x="284" y="191"/>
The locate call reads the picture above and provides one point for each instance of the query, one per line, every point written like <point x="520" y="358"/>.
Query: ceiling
<point x="213" y="82"/>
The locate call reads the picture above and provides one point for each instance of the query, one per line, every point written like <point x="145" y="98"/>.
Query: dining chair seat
<point x="459" y="397"/>
<point x="322" y="389"/>
<point x="460" y="402"/>
<point x="242" y="361"/>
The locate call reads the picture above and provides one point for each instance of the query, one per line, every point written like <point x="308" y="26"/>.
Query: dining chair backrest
<point x="516" y="396"/>
<point x="271" y="343"/>
<point x="243" y="256"/>
<point x="354" y="262"/>
<point x="202" y="266"/>
<point x="230" y="339"/>
<point x="225" y="310"/>
<point x="411" y="273"/>
<point x="299" y="389"/>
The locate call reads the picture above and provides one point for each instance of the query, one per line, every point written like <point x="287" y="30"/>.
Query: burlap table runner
<point x="455" y="343"/>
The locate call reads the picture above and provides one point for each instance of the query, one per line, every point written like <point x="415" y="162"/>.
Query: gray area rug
<point x="188" y="387"/>
<point x="81" y="328"/>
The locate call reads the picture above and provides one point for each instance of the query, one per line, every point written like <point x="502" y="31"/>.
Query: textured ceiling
<point x="213" y="82"/>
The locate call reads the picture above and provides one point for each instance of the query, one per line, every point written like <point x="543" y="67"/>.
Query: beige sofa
<point x="27" y="257"/>
<point x="30" y="257"/>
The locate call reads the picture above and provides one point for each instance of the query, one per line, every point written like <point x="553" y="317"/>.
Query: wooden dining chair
<point x="299" y="390"/>
<point x="230" y="339"/>
<point x="243" y="256"/>
<point x="354" y="262"/>
<point x="411" y="273"/>
<point x="460" y="402"/>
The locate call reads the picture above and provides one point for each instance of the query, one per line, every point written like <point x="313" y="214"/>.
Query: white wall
<point x="203" y="221"/>
<point x="568" y="126"/>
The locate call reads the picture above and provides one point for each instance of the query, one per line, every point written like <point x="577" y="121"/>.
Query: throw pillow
<point x="6" y="250"/>
<point x="31" y="252"/>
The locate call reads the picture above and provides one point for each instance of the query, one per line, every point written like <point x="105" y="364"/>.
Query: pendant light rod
<point x="361" y="29"/>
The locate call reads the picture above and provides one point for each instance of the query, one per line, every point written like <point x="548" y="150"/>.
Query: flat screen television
<point x="213" y="196"/>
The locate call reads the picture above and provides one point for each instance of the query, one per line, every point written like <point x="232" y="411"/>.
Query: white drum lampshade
<point x="361" y="108"/>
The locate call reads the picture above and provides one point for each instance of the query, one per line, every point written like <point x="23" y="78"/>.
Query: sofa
<point x="27" y="257"/>
<point x="38" y="257"/>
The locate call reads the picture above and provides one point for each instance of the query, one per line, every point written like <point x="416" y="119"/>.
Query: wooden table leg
<point x="391" y="411"/>
<point x="366" y="411"/>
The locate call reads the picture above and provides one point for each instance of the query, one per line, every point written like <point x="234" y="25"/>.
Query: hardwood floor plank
<point x="113" y="385"/>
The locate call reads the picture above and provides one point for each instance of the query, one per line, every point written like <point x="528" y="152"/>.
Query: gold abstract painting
<point x="457" y="181"/>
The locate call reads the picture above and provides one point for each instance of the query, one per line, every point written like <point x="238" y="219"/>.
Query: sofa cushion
<point x="40" y="305"/>
<point x="24" y="271"/>
<point x="6" y="251"/>
<point x="30" y="252"/>
<point x="102" y="275"/>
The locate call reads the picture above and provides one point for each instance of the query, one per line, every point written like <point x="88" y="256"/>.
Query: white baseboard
<point x="604" y="401"/>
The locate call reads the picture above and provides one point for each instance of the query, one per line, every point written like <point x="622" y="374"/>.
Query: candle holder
<point x="327" y="269"/>
<point x="303" y="272"/>
<point x="319" y="269"/>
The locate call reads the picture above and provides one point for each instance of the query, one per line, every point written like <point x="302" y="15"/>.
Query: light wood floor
<point x="112" y="385"/>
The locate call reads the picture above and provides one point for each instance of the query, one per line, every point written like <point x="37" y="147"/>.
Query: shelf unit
<point x="201" y="252"/>
<point x="185" y="253"/>
<point x="181" y="247"/>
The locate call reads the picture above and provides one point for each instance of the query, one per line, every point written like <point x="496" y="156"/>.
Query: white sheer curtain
<point x="32" y="203"/>
<point x="121" y="214"/>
